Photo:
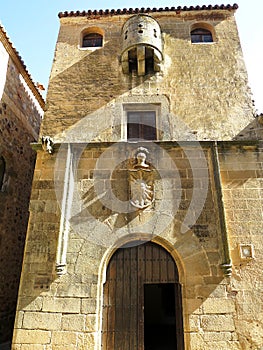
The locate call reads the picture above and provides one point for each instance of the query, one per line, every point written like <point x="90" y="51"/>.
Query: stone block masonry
<point x="199" y="203"/>
<point x="20" y="117"/>
<point x="66" y="310"/>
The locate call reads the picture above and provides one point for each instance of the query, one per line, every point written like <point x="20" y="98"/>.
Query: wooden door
<point x="123" y="299"/>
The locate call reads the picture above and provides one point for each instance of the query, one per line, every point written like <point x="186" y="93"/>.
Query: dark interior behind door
<point x="159" y="317"/>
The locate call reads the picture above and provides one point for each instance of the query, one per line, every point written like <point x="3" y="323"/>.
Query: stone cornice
<point x="246" y="144"/>
<point x="130" y="11"/>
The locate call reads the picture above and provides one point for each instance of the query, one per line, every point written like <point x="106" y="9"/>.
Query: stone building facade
<point x="21" y="111"/>
<point x="145" y="213"/>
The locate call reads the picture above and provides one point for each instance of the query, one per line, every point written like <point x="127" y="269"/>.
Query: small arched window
<point x="92" y="40"/>
<point x="201" y="35"/>
<point x="2" y="172"/>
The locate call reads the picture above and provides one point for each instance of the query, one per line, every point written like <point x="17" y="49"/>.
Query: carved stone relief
<point x="141" y="180"/>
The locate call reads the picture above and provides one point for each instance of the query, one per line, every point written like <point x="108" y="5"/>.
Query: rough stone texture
<point x="20" y="117"/>
<point x="32" y="336"/>
<point x="209" y="307"/>
<point x="206" y="84"/>
<point x="241" y="169"/>
<point x="73" y="201"/>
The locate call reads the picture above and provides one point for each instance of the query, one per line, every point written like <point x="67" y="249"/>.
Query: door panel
<point x="123" y="296"/>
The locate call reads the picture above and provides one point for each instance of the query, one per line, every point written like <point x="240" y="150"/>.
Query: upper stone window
<point x="140" y="121"/>
<point x="92" y="40"/>
<point x="201" y="35"/>
<point x="141" y="125"/>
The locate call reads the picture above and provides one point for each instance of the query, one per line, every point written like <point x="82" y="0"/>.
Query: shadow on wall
<point x="81" y="92"/>
<point x="86" y="86"/>
<point x="253" y="131"/>
<point x="19" y="125"/>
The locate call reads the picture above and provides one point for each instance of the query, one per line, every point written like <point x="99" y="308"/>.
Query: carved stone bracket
<point x="227" y="269"/>
<point x="47" y="144"/>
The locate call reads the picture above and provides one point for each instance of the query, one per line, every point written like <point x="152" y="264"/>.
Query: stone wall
<point x="206" y="195"/>
<point x="206" y="84"/>
<point x="54" y="311"/>
<point x="20" y="117"/>
<point x="241" y="169"/>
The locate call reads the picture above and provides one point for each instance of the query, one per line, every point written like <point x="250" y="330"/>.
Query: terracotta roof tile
<point x="107" y="12"/>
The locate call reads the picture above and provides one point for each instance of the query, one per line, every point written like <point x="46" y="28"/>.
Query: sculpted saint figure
<point x="141" y="183"/>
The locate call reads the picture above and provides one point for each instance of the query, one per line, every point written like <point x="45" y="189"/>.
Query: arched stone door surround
<point x="142" y="294"/>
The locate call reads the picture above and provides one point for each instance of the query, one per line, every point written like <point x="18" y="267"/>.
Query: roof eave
<point x="178" y="9"/>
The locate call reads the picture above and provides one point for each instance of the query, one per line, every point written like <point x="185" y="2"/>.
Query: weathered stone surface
<point x="88" y="306"/>
<point x="218" y="306"/>
<point x="60" y="347"/>
<point x="73" y="323"/>
<point x="42" y="320"/>
<point x="190" y="217"/>
<point x="31" y="336"/>
<point x="91" y="323"/>
<point x="217" y="323"/>
<point x="217" y="336"/>
<point x="32" y="347"/>
<point x="66" y="338"/>
<point x="20" y="117"/>
<point x="203" y="102"/>
<point x="65" y="305"/>
<point x="194" y="323"/>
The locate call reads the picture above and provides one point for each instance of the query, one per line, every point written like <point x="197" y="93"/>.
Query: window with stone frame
<point x="141" y="125"/>
<point x="201" y="35"/>
<point x="92" y="40"/>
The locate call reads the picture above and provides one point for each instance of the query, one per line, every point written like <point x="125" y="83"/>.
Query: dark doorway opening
<point x="142" y="300"/>
<point x="159" y="316"/>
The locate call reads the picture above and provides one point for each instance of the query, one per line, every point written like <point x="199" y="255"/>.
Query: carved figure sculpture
<point x="141" y="180"/>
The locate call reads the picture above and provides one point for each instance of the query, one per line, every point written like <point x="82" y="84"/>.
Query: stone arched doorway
<point x="142" y="308"/>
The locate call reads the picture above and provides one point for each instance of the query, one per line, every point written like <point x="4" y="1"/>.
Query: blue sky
<point x="33" y="25"/>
